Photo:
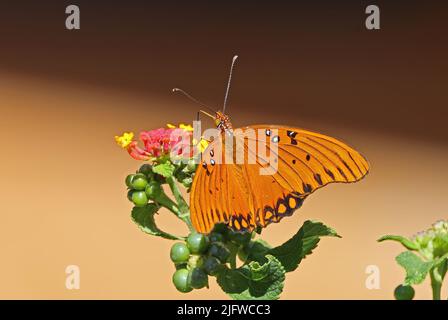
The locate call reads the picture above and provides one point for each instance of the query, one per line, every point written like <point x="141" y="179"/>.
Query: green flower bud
<point x="239" y="237"/>
<point x="146" y="169"/>
<point x="128" y="180"/>
<point x="218" y="250"/>
<point x="180" y="280"/>
<point x="179" y="253"/>
<point x="139" y="198"/>
<point x="216" y="237"/>
<point x="130" y="192"/>
<point x="222" y="229"/>
<point x="139" y="182"/>
<point x="403" y="292"/>
<point x="153" y="190"/>
<point x="212" y="266"/>
<point x="197" y="278"/>
<point x="197" y="242"/>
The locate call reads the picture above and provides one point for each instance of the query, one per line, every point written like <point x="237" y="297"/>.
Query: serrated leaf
<point x="258" y="271"/>
<point x="165" y="169"/>
<point x="233" y="281"/>
<point x="416" y="268"/>
<point x="265" y="281"/>
<point x="291" y="253"/>
<point x="407" y="243"/>
<point x="144" y="218"/>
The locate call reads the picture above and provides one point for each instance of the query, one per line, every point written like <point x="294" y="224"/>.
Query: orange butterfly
<point x="238" y="195"/>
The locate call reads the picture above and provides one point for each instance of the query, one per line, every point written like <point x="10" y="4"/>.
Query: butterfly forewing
<point x="238" y="194"/>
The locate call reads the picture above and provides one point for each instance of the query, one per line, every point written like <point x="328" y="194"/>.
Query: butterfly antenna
<point x="177" y="90"/>
<point x="228" y="84"/>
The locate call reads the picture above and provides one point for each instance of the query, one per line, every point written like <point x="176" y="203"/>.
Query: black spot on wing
<point x="318" y="178"/>
<point x="306" y="187"/>
<point x="291" y="134"/>
<point x="330" y="174"/>
<point x="220" y="217"/>
<point x="296" y="194"/>
<point x="342" y="173"/>
<point x="349" y="169"/>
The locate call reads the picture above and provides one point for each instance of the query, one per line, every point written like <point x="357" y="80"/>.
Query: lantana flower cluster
<point x="433" y="242"/>
<point x="161" y="142"/>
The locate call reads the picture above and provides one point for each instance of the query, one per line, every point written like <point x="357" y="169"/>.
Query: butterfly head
<point x="222" y="121"/>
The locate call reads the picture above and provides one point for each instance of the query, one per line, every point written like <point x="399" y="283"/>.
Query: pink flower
<point x="156" y="143"/>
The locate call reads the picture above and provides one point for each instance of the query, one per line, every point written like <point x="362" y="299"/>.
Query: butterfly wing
<point x="219" y="191"/>
<point x="317" y="159"/>
<point x="237" y="194"/>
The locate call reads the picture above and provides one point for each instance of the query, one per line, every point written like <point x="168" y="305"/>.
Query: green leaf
<point x="265" y="281"/>
<point x="407" y="243"/>
<point x="233" y="281"/>
<point x="257" y="250"/>
<point x="254" y="281"/>
<point x="165" y="169"/>
<point x="416" y="268"/>
<point x="144" y="218"/>
<point x="291" y="253"/>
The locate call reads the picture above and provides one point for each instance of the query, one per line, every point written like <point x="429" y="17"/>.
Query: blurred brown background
<point x="65" y="94"/>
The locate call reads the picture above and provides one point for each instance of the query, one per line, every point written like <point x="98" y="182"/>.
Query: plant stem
<point x="443" y="270"/>
<point x="182" y="205"/>
<point x="437" y="275"/>
<point x="436" y="283"/>
<point x="165" y="201"/>
<point x="233" y="253"/>
<point x="170" y="236"/>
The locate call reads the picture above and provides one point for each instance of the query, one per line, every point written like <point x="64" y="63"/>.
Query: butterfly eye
<point x="268" y="132"/>
<point x="275" y="139"/>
